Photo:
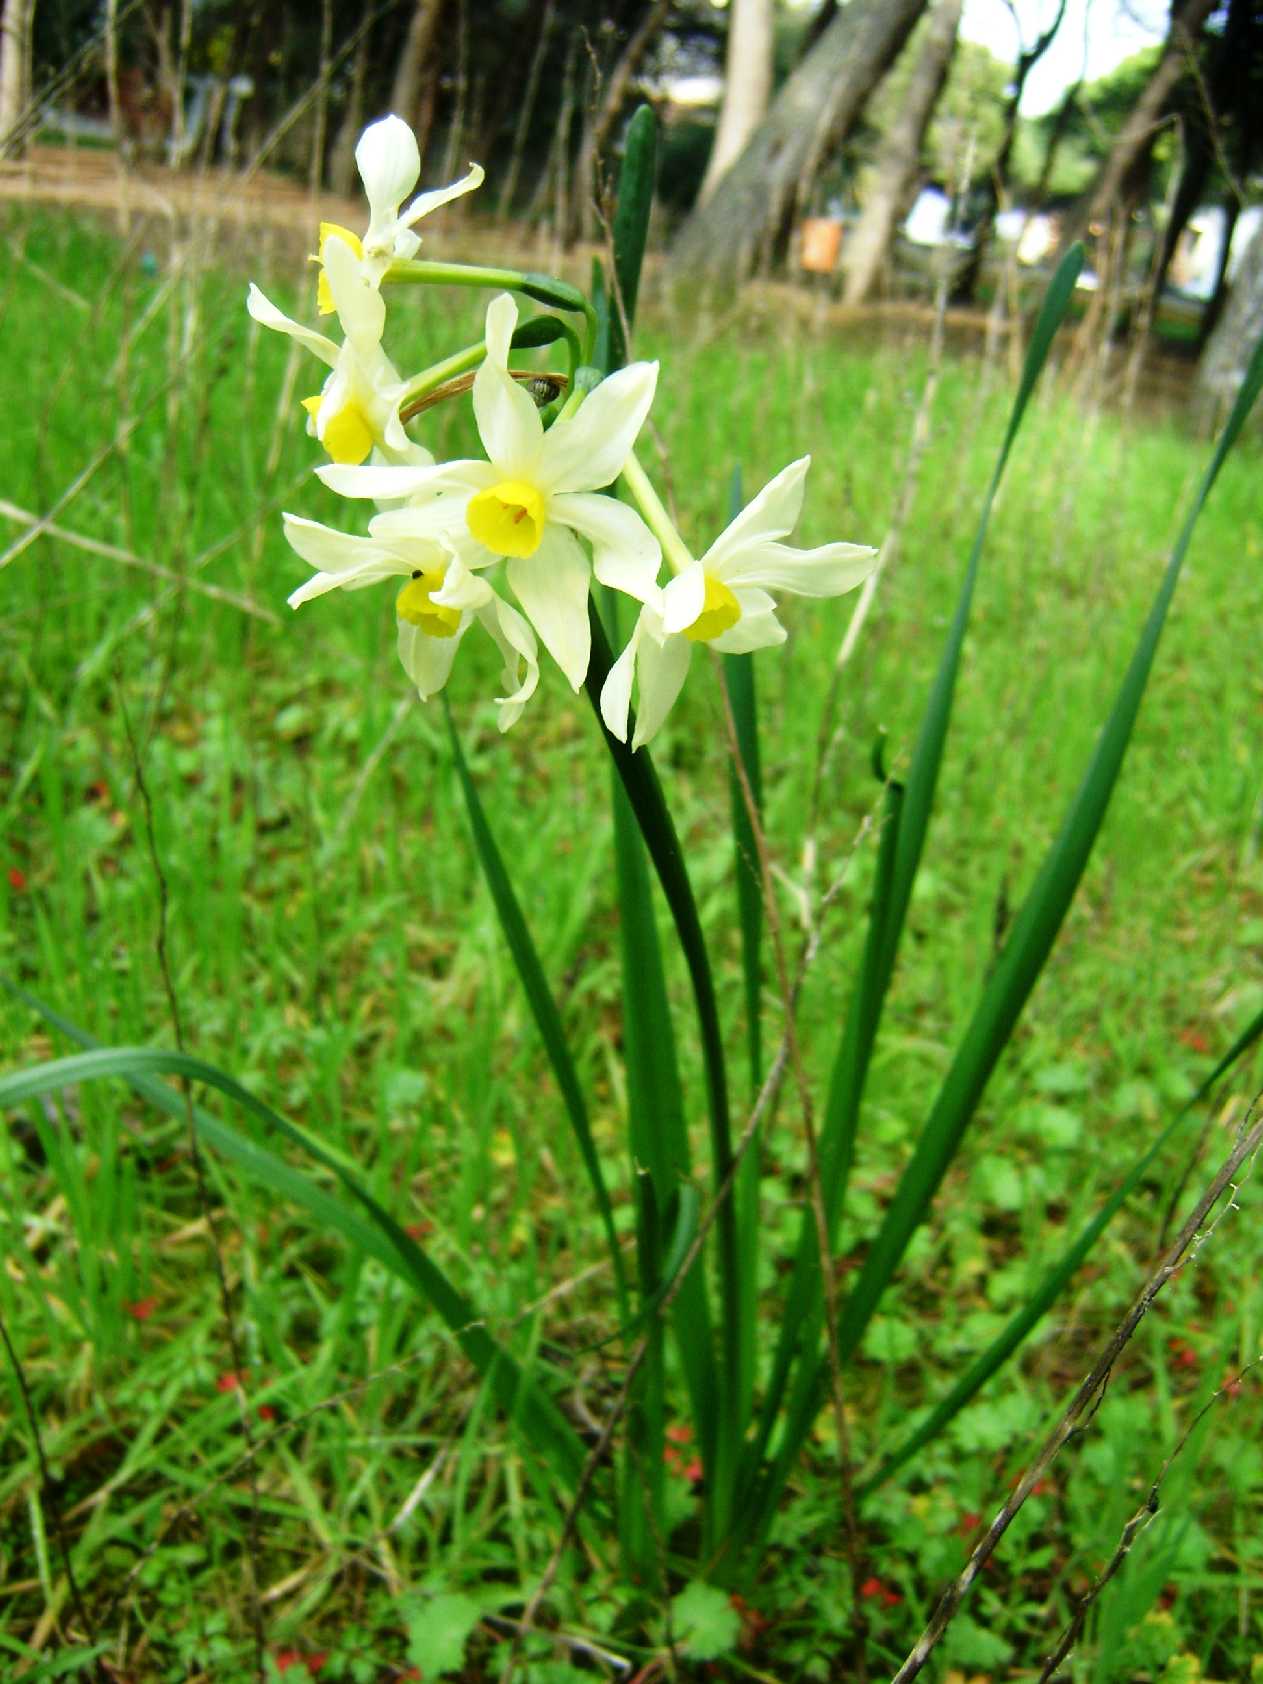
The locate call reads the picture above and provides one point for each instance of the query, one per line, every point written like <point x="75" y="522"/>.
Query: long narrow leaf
<point x="539" y="998"/>
<point x="1021" y="961"/>
<point x="535" y="1413"/>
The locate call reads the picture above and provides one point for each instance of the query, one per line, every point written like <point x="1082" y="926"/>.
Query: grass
<point x="330" y="942"/>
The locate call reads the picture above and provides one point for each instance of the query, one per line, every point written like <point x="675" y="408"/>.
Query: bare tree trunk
<point x="601" y="127"/>
<point x="1227" y="353"/>
<point x="899" y="161"/>
<point x="1136" y="138"/>
<point x="747" y="87"/>
<point x="342" y="157"/>
<point x="526" y="109"/>
<point x="15" y="75"/>
<point x="754" y="204"/>
<point x="405" y="93"/>
<point x="998" y="181"/>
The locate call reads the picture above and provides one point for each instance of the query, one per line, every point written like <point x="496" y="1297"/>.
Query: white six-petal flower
<point x="358" y="407"/>
<point x="724" y="599"/>
<point x="535" y="495"/>
<point x="434" y="610"/>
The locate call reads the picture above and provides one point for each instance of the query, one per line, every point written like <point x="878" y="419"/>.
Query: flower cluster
<point x="531" y="517"/>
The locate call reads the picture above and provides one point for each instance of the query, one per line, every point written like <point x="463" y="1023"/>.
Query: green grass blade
<point x="739" y="683"/>
<point x="802" y="1322"/>
<point x="539" y="998"/>
<point x="1057" y="1278"/>
<point x="644" y="794"/>
<point x="534" y="1413"/>
<point x="1021" y="961"/>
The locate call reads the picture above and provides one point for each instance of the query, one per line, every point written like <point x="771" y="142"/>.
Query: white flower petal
<point x="662" y="668"/>
<point x="752" y="631"/>
<point x="828" y="571"/>
<point x="428" y="660"/>
<point x="552" y="586"/>
<point x="389" y="482"/>
<point x="516" y="643"/>
<point x="343" y="561"/>
<point x="617" y="689"/>
<point x="424" y="203"/>
<point x="587" y="450"/>
<point x="684" y="598"/>
<point x="772" y="514"/>
<point x="508" y="421"/>
<point x="625" y="553"/>
<point x="360" y="306"/>
<point x="389" y="164"/>
<point x="267" y="315"/>
<point x="462" y="589"/>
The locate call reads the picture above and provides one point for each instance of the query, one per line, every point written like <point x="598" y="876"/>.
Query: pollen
<point x="720" y="612"/>
<point x="332" y="231"/>
<point x="347" y="435"/>
<point x="413" y="604"/>
<point x="509" y="518"/>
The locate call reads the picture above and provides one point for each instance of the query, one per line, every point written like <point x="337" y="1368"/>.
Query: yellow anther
<point x="509" y="518"/>
<point x="413" y="604"/>
<point x="720" y="612"/>
<point x="332" y="231"/>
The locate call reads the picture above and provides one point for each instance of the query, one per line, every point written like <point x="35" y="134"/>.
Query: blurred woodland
<point x="869" y="123"/>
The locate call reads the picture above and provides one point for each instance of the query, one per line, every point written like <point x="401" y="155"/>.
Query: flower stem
<point x="657" y="519"/>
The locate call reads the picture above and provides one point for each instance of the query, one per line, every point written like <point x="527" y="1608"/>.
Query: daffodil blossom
<point x="724" y="600"/>
<point x="434" y="609"/>
<point x="358" y="407"/>
<point x="535" y="496"/>
<point x="389" y="165"/>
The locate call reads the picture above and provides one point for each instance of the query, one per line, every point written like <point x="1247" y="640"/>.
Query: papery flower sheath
<point x="724" y="600"/>
<point x="535" y="496"/>
<point x="434" y="609"/>
<point x="390" y="165"/>
<point x="358" y="406"/>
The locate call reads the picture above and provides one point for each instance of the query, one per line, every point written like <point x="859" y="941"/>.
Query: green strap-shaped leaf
<point x="1025" y="952"/>
<point x="380" y="1237"/>
<point x="631" y="224"/>
<point x="539" y="998"/>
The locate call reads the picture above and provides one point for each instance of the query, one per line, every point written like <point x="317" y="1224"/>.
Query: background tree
<point x="747" y="86"/>
<point x="1223" y="362"/>
<point x="895" y="178"/>
<point x="750" y="212"/>
<point x="16" y="37"/>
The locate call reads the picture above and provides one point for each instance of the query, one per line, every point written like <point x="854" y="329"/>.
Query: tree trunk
<point x="755" y="203"/>
<point x="15" y="75"/>
<point x="599" y="130"/>
<point x="405" y="93"/>
<point x="1223" y="364"/>
<point x="899" y="161"/>
<point x="747" y="87"/>
<point x="1135" y="140"/>
<point x="966" y="286"/>
<point x="342" y="157"/>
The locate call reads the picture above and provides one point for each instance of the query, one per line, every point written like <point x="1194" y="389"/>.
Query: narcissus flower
<point x="434" y="609"/>
<point x="724" y="600"/>
<point x="389" y="165"/>
<point x="358" y="406"/>
<point x="535" y="496"/>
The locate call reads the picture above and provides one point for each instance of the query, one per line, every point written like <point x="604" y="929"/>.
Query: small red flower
<point x="287" y="1658"/>
<point x="419" y="1230"/>
<point x="229" y="1382"/>
<point x="142" y="1309"/>
<point x="1182" y="1353"/>
<point x="17" y="879"/>
<point x="969" y="1524"/>
<point x="679" y="1435"/>
<point x="874" y="1589"/>
<point x="692" y="1470"/>
<point x="267" y="1412"/>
